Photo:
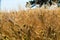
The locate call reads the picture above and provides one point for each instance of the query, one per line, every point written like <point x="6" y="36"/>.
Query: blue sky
<point x="12" y="4"/>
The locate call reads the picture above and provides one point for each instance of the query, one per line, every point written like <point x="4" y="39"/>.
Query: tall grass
<point x="32" y="24"/>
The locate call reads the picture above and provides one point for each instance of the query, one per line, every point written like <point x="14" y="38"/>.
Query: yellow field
<point x="32" y="24"/>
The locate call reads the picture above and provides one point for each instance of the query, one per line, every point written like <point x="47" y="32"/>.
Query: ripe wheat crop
<point x="32" y="24"/>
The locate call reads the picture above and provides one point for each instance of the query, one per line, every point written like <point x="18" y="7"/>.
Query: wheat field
<point x="32" y="24"/>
